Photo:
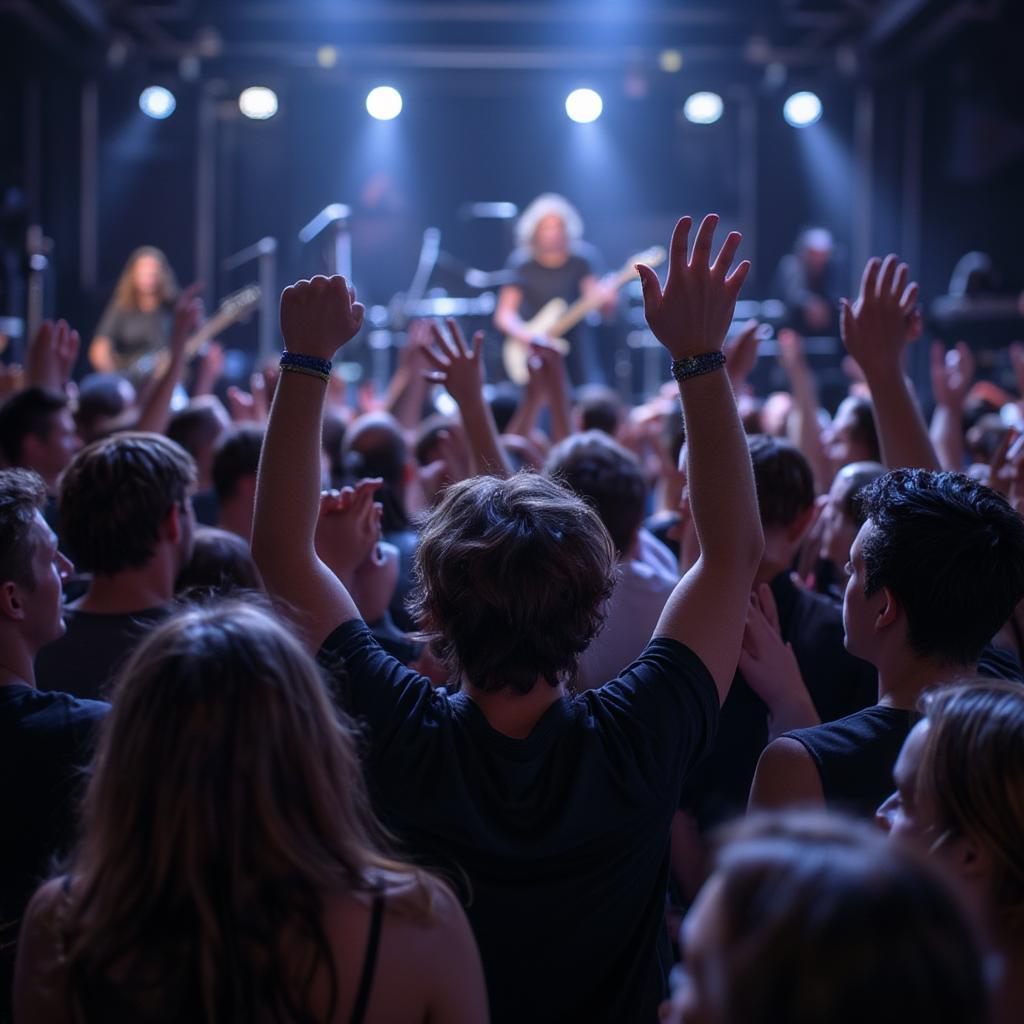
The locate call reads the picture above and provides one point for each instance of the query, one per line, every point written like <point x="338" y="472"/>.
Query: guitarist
<point x="137" y="321"/>
<point x="553" y="261"/>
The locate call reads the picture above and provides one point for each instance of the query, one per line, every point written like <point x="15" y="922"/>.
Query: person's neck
<point x="17" y="659"/>
<point x="236" y="517"/>
<point x="515" y="714"/>
<point x="904" y="677"/>
<point x="133" y="590"/>
<point x="770" y="567"/>
<point x="148" y="303"/>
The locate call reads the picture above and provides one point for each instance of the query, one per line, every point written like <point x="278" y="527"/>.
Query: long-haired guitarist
<point x="553" y="262"/>
<point x="137" y="320"/>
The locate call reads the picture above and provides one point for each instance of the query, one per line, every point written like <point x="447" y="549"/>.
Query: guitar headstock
<point x="653" y="257"/>
<point x="239" y="303"/>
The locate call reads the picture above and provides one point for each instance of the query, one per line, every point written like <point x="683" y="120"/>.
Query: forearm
<point x="947" y="437"/>
<point x="807" y="433"/>
<point x="902" y="434"/>
<point x="155" y="414"/>
<point x="723" y="500"/>
<point x="406" y="397"/>
<point x="486" y="453"/>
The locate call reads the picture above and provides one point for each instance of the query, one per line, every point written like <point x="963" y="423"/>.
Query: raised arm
<point x="708" y="608"/>
<point x="805" y="430"/>
<point x="874" y="330"/>
<point x="461" y="370"/>
<point x="317" y="317"/>
<point x="952" y="375"/>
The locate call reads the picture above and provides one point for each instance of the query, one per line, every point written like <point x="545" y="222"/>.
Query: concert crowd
<point x="413" y="703"/>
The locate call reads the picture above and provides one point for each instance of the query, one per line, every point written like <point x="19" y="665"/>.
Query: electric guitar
<point x="235" y="307"/>
<point x="557" y="317"/>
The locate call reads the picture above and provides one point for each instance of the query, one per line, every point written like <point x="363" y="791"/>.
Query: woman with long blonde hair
<point x="137" y="320"/>
<point x="229" y="867"/>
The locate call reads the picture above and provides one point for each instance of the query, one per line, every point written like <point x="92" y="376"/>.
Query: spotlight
<point x="327" y="56"/>
<point x="802" y="109"/>
<point x="583" y="106"/>
<point x="703" y="107"/>
<point x="670" y="61"/>
<point x="157" y="102"/>
<point x="384" y="103"/>
<point x="258" y="102"/>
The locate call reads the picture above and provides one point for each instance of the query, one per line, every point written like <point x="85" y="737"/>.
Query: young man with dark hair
<point x="935" y="572"/>
<point x="609" y="477"/>
<point x="197" y="428"/>
<point x="126" y="518"/>
<point x="37" y="432"/>
<point x="554" y="809"/>
<point x="45" y="738"/>
<point x="235" y="462"/>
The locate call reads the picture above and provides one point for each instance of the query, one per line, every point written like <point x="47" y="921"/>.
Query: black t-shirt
<point x="45" y="741"/>
<point x="85" y="660"/>
<point x="838" y="683"/>
<point x="561" y="838"/>
<point x="855" y="756"/>
<point x="134" y="333"/>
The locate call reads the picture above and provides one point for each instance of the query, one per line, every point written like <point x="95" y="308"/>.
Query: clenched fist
<point x="319" y="316"/>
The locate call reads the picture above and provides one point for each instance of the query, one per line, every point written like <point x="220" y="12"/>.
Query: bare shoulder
<point x="786" y="776"/>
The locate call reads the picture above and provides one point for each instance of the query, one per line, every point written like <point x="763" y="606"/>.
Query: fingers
<point x="478" y="344"/>
<point x="651" y="288"/>
<point x="734" y="282"/>
<point x="899" y="284"/>
<point x="869" y="279"/>
<point x="908" y="301"/>
<point x="442" y="343"/>
<point x="679" y="244"/>
<point x="847" y="327"/>
<point x="727" y="253"/>
<point x="883" y="286"/>
<point x="701" y="255"/>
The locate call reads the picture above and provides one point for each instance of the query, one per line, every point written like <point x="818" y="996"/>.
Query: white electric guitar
<point x="557" y="317"/>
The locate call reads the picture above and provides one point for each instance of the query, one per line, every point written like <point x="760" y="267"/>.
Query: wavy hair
<point x="124" y="291"/>
<point x="546" y="205"/>
<point x="226" y="803"/>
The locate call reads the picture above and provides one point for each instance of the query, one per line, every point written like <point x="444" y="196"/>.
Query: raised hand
<point x="188" y="315"/>
<point x="51" y="356"/>
<point x="952" y="374"/>
<point x="319" y="316"/>
<point x="741" y="354"/>
<point x="693" y="313"/>
<point x="459" y="368"/>
<point x="348" y="528"/>
<point x="876" y="327"/>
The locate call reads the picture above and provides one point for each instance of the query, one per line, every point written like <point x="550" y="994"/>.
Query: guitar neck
<point x="586" y="304"/>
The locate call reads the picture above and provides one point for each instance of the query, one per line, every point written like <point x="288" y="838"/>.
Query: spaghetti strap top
<point x="370" y="961"/>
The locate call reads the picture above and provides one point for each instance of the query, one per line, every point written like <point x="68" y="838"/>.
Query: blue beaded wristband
<point x="298" y="361"/>
<point x="695" y="366"/>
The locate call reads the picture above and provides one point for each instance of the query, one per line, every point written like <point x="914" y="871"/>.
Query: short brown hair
<point x="512" y="577"/>
<point x="784" y="481"/>
<point x="608" y="476"/>
<point x="22" y="493"/>
<point x="114" y="496"/>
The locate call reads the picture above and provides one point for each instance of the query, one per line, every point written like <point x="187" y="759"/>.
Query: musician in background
<point x="804" y="282"/>
<point x="137" y="322"/>
<point x="553" y="262"/>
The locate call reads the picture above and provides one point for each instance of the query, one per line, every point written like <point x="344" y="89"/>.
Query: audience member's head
<point x="504" y="399"/>
<point x="375" y="447"/>
<point x="843" y="515"/>
<point x="512" y="580"/>
<point x="31" y="569"/>
<point x="785" y="497"/>
<point x="598" y="407"/>
<point x="37" y="432"/>
<point x="124" y="501"/>
<point x="197" y="428"/>
<point x="808" y="919"/>
<point x="221" y="565"/>
<point x="608" y="477"/>
<point x="960" y="794"/>
<point x="235" y="462"/>
<point x="937" y="568"/>
<point x="226" y="804"/>
<point x="852" y="435"/>
<point x="103" y="401"/>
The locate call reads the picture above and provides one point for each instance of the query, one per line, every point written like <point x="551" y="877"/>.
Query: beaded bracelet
<point x="306" y="372"/>
<point x="296" y="360"/>
<point x="695" y="366"/>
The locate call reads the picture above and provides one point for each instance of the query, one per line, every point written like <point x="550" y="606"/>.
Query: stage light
<point x="670" y="61"/>
<point x="802" y="109"/>
<point x="327" y="56"/>
<point x="258" y="102"/>
<point x="703" y="107"/>
<point x="384" y="103"/>
<point x="157" y="102"/>
<point x="583" y="106"/>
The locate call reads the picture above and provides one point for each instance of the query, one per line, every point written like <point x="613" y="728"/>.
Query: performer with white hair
<point x="553" y="262"/>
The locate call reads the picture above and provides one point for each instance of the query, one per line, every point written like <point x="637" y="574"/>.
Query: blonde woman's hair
<point x="226" y="804"/>
<point x="972" y="773"/>
<point x="124" y="292"/>
<point x="546" y="205"/>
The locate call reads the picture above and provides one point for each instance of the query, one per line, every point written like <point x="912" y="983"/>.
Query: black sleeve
<point x="664" y="708"/>
<point x="375" y="688"/>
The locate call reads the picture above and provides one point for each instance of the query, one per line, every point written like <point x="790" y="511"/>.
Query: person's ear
<point x="170" y="528"/>
<point x="799" y="528"/>
<point x="888" y="612"/>
<point x="968" y="858"/>
<point x="11" y="604"/>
